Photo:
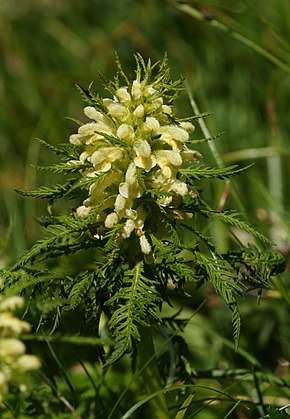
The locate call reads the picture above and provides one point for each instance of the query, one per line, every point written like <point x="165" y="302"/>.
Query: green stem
<point x="150" y="374"/>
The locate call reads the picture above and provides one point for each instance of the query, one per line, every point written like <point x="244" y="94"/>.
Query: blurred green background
<point x="236" y="60"/>
<point x="47" y="45"/>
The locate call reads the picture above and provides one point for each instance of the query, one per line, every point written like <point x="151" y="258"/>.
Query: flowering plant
<point x="14" y="362"/>
<point x="134" y="170"/>
<point x="134" y="150"/>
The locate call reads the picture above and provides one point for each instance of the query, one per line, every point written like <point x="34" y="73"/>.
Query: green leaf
<point x="134" y="305"/>
<point x="207" y="139"/>
<point x="231" y="217"/>
<point x="53" y="192"/>
<point x="236" y="320"/>
<point x="91" y="98"/>
<point x="78" y="291"/>
<point x="184" y="407"/>
<point x="67" y="235"/>
<point x="65" y="167"/>
<point x="256" y="266"/>
<point x="205" y="172"/>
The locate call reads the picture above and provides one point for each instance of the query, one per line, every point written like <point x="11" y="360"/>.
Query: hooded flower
<point x="134" y="140"/>
<point x="13" y="360"/>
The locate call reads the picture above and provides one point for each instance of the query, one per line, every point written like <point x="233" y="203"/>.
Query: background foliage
<point x="236" y="59"/>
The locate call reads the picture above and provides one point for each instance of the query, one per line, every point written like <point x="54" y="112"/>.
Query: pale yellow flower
<point x="145" y="246"/>
<point x="145" y="159"/>
<point x="12" y="325"/>
<point x="103" y="158"/>
<point x="13" y="360"/>
<point x="11" y="303"/>
<point x="27" y="362"/>
<point x="11" y="348"/>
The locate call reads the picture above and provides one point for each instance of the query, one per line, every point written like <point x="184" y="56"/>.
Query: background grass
<point x="236" y="60"/>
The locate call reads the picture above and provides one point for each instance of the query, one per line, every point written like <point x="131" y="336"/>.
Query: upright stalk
<point x="150" y="374"/>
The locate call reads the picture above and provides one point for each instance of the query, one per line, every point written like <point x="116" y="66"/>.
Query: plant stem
<point x="150" y="374"/>
<point x="214" y="22"/>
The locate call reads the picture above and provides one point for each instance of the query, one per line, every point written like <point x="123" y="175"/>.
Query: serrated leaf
<point x="231" y="217"/>
<point x="91" y="98"/>
<point x="77" y="292"/>
<point x="205" y="140"/>
<point x="205" y="172"/>
<point x="134" y="303"/>
<point x="53" y="192"/>
<point x="236" y="320"/>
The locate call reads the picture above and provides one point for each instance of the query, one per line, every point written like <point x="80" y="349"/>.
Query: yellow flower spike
<point x="13" y="360"/>
<point x="11" y="303"/>
<point x="134" y="139"/>
<point x="27" y="362"/>
<point x="11" y="348"/>
<point x="11" y="326"/>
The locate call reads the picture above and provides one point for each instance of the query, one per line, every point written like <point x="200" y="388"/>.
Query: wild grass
<point x="236" y="60"/>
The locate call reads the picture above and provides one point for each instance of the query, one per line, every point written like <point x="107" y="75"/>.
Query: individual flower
<point x="133" y="144"/>
<point x="13" y="359"/>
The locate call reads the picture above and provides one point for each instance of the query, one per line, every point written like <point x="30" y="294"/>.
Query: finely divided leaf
<point x="205" y="172"/>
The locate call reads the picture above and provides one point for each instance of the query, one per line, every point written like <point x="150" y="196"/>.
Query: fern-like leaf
<point x="221" y="275"/>
<point x="223" y="278"/>
<point x="90" y="97"/>
<point x="236" y="320"/>
<point x="204" y="140"/>
<point x="205" y="172"/>
<point x="78" y="291"/>
<point x="64" y="238"/>
<point x="232" y="218"/>
<point x="134" y="304"/>
<point x="52" y="193"/>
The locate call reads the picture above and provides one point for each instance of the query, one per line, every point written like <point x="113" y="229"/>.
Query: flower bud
<point x="144" y="244"/>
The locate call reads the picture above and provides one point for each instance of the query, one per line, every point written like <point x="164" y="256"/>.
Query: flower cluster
<point x="13" y="359"/>
<point x="135" y="140"/>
